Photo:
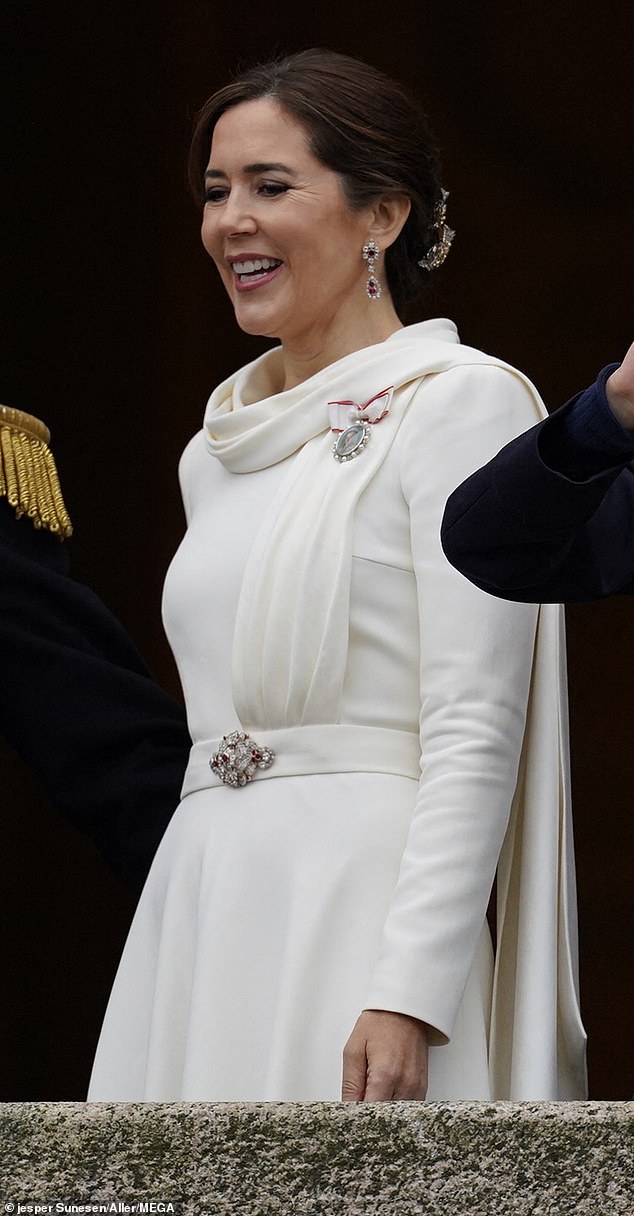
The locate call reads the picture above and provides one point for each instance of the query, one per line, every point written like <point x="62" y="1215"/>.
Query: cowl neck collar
<point x="249" y="426"/>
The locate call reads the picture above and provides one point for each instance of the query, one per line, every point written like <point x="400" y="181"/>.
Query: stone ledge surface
<point x="308" y="1159"/>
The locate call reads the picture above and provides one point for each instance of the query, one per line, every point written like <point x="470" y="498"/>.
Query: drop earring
<point x="370" y="254"/>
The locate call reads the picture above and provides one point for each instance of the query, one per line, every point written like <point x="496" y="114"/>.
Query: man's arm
<point x="77" y="702"/>
<point x="552" y="515"/>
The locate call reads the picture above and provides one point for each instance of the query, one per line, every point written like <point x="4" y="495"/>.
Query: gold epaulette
<point x="28" y="476"/>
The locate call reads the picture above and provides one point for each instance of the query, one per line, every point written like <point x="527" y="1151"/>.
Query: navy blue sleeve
<point x="106" y="743"/>
<point x="584" y="439"/>
<point x="551" y="517"/>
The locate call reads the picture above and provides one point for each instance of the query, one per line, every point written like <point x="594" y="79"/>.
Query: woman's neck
<point x="305" y="356"/>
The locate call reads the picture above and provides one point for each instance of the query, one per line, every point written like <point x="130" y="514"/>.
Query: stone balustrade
<point x="309" y="1159"/>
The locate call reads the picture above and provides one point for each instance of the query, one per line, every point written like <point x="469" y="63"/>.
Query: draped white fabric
<point x="311" y="604"/>
<point x="290" y="641"/>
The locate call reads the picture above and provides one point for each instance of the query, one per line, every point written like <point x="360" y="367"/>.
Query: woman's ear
<point x="388" y="218"/>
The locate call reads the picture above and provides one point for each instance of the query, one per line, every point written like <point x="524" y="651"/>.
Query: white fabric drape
<point x="419" y="727"/>
<point x="289" y="653"/>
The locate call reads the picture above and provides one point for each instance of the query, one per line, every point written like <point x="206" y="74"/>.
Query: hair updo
<point x="362" y="125"/>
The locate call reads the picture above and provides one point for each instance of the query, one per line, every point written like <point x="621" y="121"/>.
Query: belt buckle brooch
<point x="238" y="758"/>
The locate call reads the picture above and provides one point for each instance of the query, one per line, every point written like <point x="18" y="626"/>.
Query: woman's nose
<point x="237" y="216"/>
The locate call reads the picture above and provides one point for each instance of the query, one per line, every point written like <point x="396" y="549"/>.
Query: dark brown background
<point x="114" y="331"/>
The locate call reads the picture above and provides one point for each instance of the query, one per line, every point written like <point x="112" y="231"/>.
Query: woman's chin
<point x="256" y="321"/>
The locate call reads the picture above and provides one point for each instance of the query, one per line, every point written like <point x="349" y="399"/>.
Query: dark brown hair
<point x="362" y="125"/>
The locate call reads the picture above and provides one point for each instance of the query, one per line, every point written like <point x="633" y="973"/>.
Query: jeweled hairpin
<point x="436" y="255"/>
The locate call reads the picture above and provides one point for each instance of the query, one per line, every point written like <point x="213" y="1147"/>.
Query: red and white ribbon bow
<point x="343" y="414"/>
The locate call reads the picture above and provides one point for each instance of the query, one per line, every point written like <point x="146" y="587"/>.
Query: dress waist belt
<point x="327" y="748"/>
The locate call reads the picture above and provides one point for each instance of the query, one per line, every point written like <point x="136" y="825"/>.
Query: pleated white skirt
<point x="254" y="942"/>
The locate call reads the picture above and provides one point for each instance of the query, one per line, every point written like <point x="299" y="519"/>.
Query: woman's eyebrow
<point x="258" y="167"/>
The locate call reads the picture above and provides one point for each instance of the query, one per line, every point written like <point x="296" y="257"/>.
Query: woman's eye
<point x="215" y="194"/>
<point x="272" y="189"/>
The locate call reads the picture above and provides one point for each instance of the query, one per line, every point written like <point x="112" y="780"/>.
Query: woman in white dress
<point x="373" y="736"/>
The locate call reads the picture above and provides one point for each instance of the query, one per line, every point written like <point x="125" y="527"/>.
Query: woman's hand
<point x="620" y="391"/>
<point x="385" y="1058"/>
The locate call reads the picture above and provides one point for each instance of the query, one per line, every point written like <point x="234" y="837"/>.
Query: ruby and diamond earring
<point x="370" y="253"/>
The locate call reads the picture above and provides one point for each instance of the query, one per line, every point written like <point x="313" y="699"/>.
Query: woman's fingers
<point x="385" y="1058"/>
<point x="354" y="1067"/>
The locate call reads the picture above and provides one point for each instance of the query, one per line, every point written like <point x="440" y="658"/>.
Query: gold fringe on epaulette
<point x="28" y="476"/>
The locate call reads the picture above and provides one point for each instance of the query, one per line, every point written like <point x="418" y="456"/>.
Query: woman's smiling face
<point x="280" y="230"/>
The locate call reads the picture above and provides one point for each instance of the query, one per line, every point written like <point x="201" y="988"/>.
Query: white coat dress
<point x="419" y="734"/>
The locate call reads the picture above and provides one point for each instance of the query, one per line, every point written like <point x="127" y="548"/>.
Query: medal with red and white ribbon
<point x="350" y="423"/>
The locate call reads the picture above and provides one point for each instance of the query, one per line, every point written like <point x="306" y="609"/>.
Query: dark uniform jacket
<point x="107" y="744"/>
<point x="551" y="517"/>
